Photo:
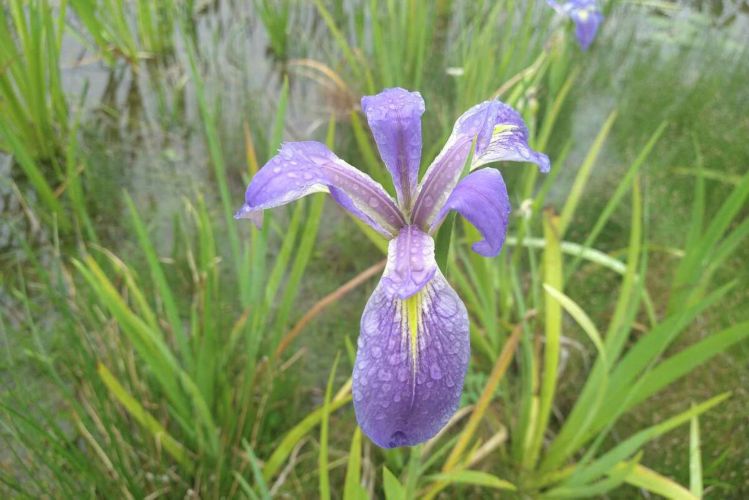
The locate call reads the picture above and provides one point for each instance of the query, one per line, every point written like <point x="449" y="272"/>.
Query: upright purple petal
<point x="509" y="141"/>
<point x="302" y="168"/>
<point x="501" y="135"/>
<point x="394" y="116"/>
<point x="411" y="361"/>
<point x="481" y="197"/>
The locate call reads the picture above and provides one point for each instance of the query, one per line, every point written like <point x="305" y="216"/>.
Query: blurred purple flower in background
<point x="413" y="348"/>
<point x="585" y="14"/>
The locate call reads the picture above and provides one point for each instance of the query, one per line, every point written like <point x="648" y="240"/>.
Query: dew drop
<point x="384" y="375"/>
<point x="435" y="372"/>
<point x="358" y="396"/>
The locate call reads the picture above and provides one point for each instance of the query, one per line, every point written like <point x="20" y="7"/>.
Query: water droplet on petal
<point x="435" y="372"/>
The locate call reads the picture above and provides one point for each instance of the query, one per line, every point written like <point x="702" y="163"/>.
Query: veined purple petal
<point x="410" y="263"/>
<point x="508" y="141"/>
<point x="302" y="168"/>
<point x="481" y="197"/>
<point x="411" y="361"/>
<point x="394" y="116"/>
<point x="501" y="135"/>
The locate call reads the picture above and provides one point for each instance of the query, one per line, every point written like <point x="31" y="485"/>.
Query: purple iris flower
<point x="413" y="348"/>
<point x="587" y="18"/>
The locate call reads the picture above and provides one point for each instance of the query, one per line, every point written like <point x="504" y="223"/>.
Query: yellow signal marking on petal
<point x="413" y="313"/>
<point x="501" y="129"/>
<point x="583" y="14"/>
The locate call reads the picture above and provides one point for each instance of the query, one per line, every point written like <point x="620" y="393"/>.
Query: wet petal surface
<point x="411" y="361"/>
<point x="394" y="116"/>
<point x="500" y="134"/>
<point x="481" y="197"/>
<point x="302" y="168"/>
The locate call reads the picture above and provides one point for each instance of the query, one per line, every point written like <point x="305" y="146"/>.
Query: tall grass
<point x="130" y="30"/>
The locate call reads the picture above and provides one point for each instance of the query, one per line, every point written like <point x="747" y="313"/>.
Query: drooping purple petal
<point x="302" y="168"/>
<point x="394" y="116"/>
<point x="481" y="197"/>
<point x="501" y="135"/>
<point x="411" y="361"/>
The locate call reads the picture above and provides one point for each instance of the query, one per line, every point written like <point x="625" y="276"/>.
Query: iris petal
<point x="411" y="263"/>
<point x="481" y="197"/>
<point x="302" y="168"/>
<point x="508" y="141"/>
<point x="586" y="22"/>
<point x="585" y="14"/>
<point x="411" y="360"/>
<point x="501" y="135"/>
<point x="394" y="116"/>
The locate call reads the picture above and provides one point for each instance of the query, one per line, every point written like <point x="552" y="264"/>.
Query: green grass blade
<point x="630" y="445"/>
<point x="687" y="360"/>
<point x="583" y="174"/>
<point x="394" y="490"/>
<point x="322" y="463"/>
<point x="695" y="458"/>
<point x="284" y="448"/>
<point x="647" y="479"/>
<point x="475" y="478"/>
<point x="553" y="332"/>
<point x="352" y="488"/>
<point x="160" y="434"/>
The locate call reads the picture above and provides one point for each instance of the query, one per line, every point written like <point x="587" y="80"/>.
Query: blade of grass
<point x="352" y="488"/>
<point x="695" y="459"/>
<point x="647" y="479"/>
<point x="323" y="475"/>
<point x="394" y="490"/>
<point x="581" y="179"/>
<point x="160" y="434"/>
<point x="553" y="332"/>
<point x="292" y="437"/>
<point x="475" y="478"/>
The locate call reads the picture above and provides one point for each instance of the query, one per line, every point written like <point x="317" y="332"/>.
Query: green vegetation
<point x="152" y="346"/>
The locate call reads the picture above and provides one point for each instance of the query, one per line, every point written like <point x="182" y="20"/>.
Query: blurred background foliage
<point x="154" y="347"/>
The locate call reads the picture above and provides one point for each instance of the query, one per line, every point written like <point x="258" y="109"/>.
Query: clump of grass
<point x="130" y="30"/>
